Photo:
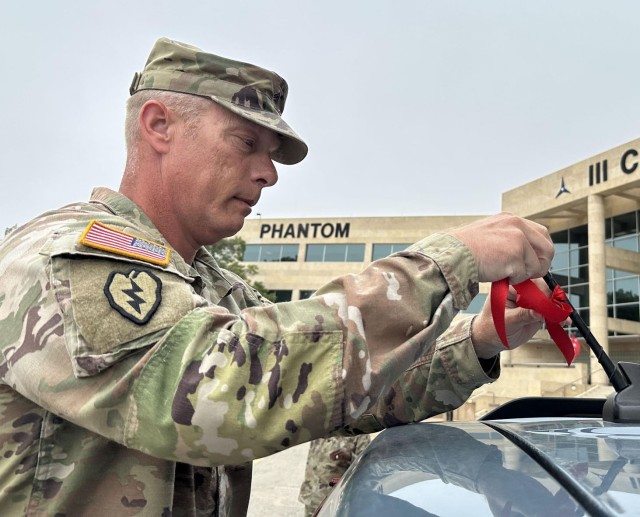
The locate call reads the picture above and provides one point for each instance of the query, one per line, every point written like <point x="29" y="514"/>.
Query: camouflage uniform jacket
<point x="122" y="381"/>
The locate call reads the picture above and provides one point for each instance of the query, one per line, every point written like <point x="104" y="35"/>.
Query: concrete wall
<point x="541" y="200"/>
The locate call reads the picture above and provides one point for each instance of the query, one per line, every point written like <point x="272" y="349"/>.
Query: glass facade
<point x="271" y="253"/>
<point x="570" y="267"/>
<point x="335" y="253"/>
<point x="623" y="289"/>
<point x="384" y="250"/>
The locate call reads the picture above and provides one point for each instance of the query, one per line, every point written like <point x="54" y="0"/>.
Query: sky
<point x="409" y="107"/>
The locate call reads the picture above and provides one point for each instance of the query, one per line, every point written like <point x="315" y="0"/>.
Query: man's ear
<point x="156" y="125"/>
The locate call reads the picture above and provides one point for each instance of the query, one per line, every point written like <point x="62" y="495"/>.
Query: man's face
<point x="216" y="173"/>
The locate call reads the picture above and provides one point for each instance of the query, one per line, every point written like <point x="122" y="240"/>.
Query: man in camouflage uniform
<point x="136" y="377"/>
<point x="328" y="459"/>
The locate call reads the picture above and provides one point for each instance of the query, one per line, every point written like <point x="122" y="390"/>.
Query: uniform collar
<point x="120" y="205"/>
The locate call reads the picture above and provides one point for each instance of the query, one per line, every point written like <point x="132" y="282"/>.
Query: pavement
<point x="276" y="482"/>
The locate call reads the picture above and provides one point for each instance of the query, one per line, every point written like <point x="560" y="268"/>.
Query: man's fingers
<point x="507" y="246"/>
<point x="531" y="316"/>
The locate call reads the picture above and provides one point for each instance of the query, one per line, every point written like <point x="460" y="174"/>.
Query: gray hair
<point x="188" y="107"/>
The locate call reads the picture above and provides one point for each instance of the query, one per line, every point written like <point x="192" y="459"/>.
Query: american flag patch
<point x="102" y="237"/>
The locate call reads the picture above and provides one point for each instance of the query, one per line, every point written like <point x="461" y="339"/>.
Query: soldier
<point x="136" y="377"/>
<point x="327" y="460"/>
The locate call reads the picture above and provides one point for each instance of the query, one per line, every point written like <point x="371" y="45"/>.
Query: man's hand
<point x="520" y="324"/>
<point x="507" y="246"/>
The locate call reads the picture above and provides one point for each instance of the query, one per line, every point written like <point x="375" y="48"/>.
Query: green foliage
<point x="229" y="253"/>
<point x="7" y="231"/>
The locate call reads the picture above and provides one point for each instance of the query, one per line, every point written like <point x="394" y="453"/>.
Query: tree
<point x="229" y="253"/>
<point x="7" y="231"/>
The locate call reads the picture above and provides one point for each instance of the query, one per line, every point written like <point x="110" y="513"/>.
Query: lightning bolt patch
<point x="135" y="294"/>
<point x="135" y="299"/>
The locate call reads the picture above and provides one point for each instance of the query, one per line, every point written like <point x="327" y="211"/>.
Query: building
<point x="592" y="209"/>
<point x="297" y="256"/>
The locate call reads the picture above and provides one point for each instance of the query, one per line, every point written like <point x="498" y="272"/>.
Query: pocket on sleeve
<point x="113" y="306"/>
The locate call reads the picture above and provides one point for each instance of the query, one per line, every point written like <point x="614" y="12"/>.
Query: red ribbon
<point x="554" y="309"/>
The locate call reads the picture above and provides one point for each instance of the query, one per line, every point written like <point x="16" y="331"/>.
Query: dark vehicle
<point x="547" y="466"/>
<point x="529" y="457"/>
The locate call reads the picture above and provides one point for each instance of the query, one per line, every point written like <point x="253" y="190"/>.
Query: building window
<point x="622" y="231"/>
<point x="571" y="263"/>
<point x="570" y="267"/>
<point x="384" y="250"/>
<point x="271" y="253"/>
<point x="335" y="253"/>
<point x="306" y="293"/>
<point x="623" y="295"/>
<point x="623" y="288"/>
<point x="282" y="295"/>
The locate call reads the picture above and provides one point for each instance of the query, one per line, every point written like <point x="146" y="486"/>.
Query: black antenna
<point x="624" y="404"/>
<point x="617" y="381"/>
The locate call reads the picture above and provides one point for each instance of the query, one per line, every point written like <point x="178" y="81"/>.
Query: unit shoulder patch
<point x="100" y="236"/>
<point x="135" y="294"/>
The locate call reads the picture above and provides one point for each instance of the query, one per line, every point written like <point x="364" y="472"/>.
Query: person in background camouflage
<point x="327" y="460"/>
<point x="138" y="378"/>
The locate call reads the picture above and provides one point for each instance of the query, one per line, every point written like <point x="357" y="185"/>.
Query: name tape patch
<point x="103" y="237"/>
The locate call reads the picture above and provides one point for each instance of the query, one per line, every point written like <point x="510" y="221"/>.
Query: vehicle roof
<point x="508" y="466"/>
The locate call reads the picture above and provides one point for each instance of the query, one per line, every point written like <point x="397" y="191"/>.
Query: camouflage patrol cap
<point x="249" y="91"/>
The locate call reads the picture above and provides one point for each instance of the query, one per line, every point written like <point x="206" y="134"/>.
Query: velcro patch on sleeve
<point x="103" y="237"/>
<point x="135" y="294"/>
<point x="112" y="309"/>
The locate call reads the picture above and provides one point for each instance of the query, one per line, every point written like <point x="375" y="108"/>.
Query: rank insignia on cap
<point x="135" y="294"/>
<point x="103" y="237"/>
